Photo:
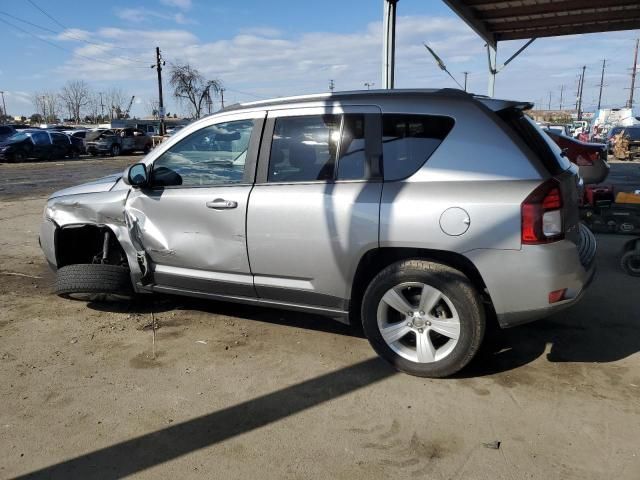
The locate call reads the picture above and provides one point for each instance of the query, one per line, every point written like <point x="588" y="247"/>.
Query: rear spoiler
<point x="502" y="105"/>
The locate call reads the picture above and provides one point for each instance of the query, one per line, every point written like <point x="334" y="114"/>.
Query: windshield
<point x="18" y="137"/>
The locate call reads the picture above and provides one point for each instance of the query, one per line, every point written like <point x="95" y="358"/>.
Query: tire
<point x="93" y="154"/>
<point x="17" y="157"/>
<point x="146" y="149"/>
<point x="455" y="309"/>
<point x="630" y="262"/>
<point x="115" y="150"/>
<point x="93" y="282"/>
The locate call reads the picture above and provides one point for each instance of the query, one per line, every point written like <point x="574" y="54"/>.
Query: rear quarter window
<point x="535" y="138"/>
<point x="409" y="140"/>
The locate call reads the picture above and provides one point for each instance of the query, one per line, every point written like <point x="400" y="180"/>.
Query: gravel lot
<point x="242" y="392"/>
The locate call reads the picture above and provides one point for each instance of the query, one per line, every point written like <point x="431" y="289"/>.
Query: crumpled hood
<point x="103" y="184"/>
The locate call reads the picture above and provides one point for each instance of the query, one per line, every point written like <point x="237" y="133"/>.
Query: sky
<point x="263" y="49"/>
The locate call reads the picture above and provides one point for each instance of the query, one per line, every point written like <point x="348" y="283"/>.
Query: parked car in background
<point x="591" y="158"/>
<point x="117" y="141"/>
<point x="560" y="129"/>
<point x="39" y="144"/>
<point x="6" y="131"/>
<point x="611" y="137"/>
<point x="627" y="144"/>
<point x="78" y="138"/>
<point x="375" y="207"/>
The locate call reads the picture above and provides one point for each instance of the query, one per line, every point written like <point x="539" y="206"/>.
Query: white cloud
<point x="73" y="34"/>
<point x="143" y="15"/>
<point x="183" y="4"/>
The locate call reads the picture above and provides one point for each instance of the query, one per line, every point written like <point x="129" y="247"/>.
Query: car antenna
<point x="441" y="64"/>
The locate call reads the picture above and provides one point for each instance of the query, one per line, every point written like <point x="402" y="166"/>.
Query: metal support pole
<point x="389" y="44"/>
<point x="491" y="57"/>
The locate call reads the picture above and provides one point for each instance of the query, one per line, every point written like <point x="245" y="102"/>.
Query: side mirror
<point x="136" y="175"/>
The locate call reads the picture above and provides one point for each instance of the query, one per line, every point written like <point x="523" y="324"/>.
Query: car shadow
<point x="603" y="327"/>
<point x="158" y="303"/>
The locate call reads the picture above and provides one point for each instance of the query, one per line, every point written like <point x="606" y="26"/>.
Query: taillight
<point x="542" y="215"/>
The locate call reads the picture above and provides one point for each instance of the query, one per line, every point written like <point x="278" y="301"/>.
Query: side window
<point x="60" y="139"/>
<point x="351" y="164"/>
<point x="409" y="140"/>
<point x="40" y="138"/>
<point x="214" y="155"/>
<point x="304" y="148"/>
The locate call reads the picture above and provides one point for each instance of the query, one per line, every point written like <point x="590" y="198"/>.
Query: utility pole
<point x="332" y="85"/>
<point x="561" y="93"/>
<point x="465" y="80"/>
<point x="633" y="75"/>
<point x="604" y="62"/>
<point x="369" y="85"/>
<point x="222" y="98"/>
<point x="4" y="108"/>
<point x="580" y="91"/>
<point x="44" y="108"/>
<point x="158" y="66"/>
<point x="101" y="108"/>
<point x="549" y="101"/>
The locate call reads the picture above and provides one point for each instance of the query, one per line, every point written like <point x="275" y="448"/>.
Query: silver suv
<point x="420" y="214"/>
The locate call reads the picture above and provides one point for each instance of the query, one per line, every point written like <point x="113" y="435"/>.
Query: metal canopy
<point x="498" y="20"/>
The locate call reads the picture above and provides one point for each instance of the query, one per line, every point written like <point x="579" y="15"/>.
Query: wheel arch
<point x="81" y="242"/>
<point x="375" y="260"/>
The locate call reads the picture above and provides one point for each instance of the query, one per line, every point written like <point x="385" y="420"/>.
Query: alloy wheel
<point x="418" y="322"/>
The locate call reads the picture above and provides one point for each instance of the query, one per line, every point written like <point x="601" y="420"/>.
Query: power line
<point x="63" y="48"/>
<point x="101" y="45"/>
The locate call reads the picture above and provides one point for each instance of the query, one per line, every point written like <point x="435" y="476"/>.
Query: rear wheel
<point x="146" y="149"/>
<point x="424" y="318"/>
<point x="115" y="150"/>
<point x="93" y="282"/>
<point x="630" y="262"/>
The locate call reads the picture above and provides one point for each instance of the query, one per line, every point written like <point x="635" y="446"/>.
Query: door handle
<point x="222" y="204"/>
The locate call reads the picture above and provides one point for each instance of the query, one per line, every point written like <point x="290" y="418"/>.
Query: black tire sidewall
<point x="460" y="292"/>
<point x="93" y="279"/>
<point x="625" y="262"/>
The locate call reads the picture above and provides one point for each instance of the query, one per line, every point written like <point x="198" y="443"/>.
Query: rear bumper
<point x="519" y="281"/>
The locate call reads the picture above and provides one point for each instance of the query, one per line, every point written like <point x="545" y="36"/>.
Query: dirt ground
<point x="240" y="392"/>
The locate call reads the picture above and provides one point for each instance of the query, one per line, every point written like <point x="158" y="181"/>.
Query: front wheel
<point x="17" y="157"/>
<point x="424" y="318"/>
<point x="93" y="282"/>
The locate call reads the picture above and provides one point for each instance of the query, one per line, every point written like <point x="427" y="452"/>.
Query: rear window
<point x="535" y="138"/>
<point x="409" y="140"/>
<point x="632" y="133"/>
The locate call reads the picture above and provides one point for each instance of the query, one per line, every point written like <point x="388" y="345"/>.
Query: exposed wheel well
<point x="85" y="244"/>
<point x="376" y="260"/>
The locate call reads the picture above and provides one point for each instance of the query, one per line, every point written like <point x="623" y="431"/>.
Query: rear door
<point x="61" y="144"/>
<point x="191" y="221"/>
<point x="314" y="210"/>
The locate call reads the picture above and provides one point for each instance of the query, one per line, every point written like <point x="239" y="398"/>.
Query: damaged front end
<point x="88" y="224"/>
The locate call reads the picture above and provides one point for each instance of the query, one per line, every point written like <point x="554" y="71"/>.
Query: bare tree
<point x="116" y="102"/>
<point x="93" y="108"/>
<point x="47" y="103"/>
<point x="75" y="96"/>
<point x="191" y="87"/>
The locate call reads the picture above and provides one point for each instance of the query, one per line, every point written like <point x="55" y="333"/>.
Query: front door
<point x="191" y="221"/>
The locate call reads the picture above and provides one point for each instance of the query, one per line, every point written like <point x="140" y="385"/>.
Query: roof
<point x="497" y="20"/>
<point x="374" y="95"/>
